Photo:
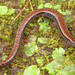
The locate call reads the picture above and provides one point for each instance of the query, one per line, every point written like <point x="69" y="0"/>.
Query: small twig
<point x="45" y="56"/>
<point x="18" y="14"/>
<point x="27" y="3"/>
<point x="68" y="57"/>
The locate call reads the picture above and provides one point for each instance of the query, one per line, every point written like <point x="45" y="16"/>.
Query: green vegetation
<point x="56" y="67"/>
<point x="30" y="48"/>
<point x="42" y="53"/>
<point x="32" y="70"/>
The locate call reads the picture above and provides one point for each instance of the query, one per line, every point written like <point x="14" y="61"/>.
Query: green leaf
<point x="5" y="37"/>
<point x="43" y="40"/>
<point x="40" y="61"/>
<point x="10" y="11"/>
<point x="58" y="54"/>
<point x="45" y="25"/>
<point x="40" y="6"/>
<point x="4" y="57"/>
<point x="57" y="7"/>
<point x="3" y="10"/>
<point x="51" y="67"/>
<point x="48" y="5"/>
<point x="32" y="24"/>
<point x="22" y="1"/>
<point x="63" y="13"/>
<point x="56" y="67"/>
<point x="68" y="70"/>
<point x="32" y="70"/>
<point x="68" y="12"/>
<point x="30" y="48"/>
